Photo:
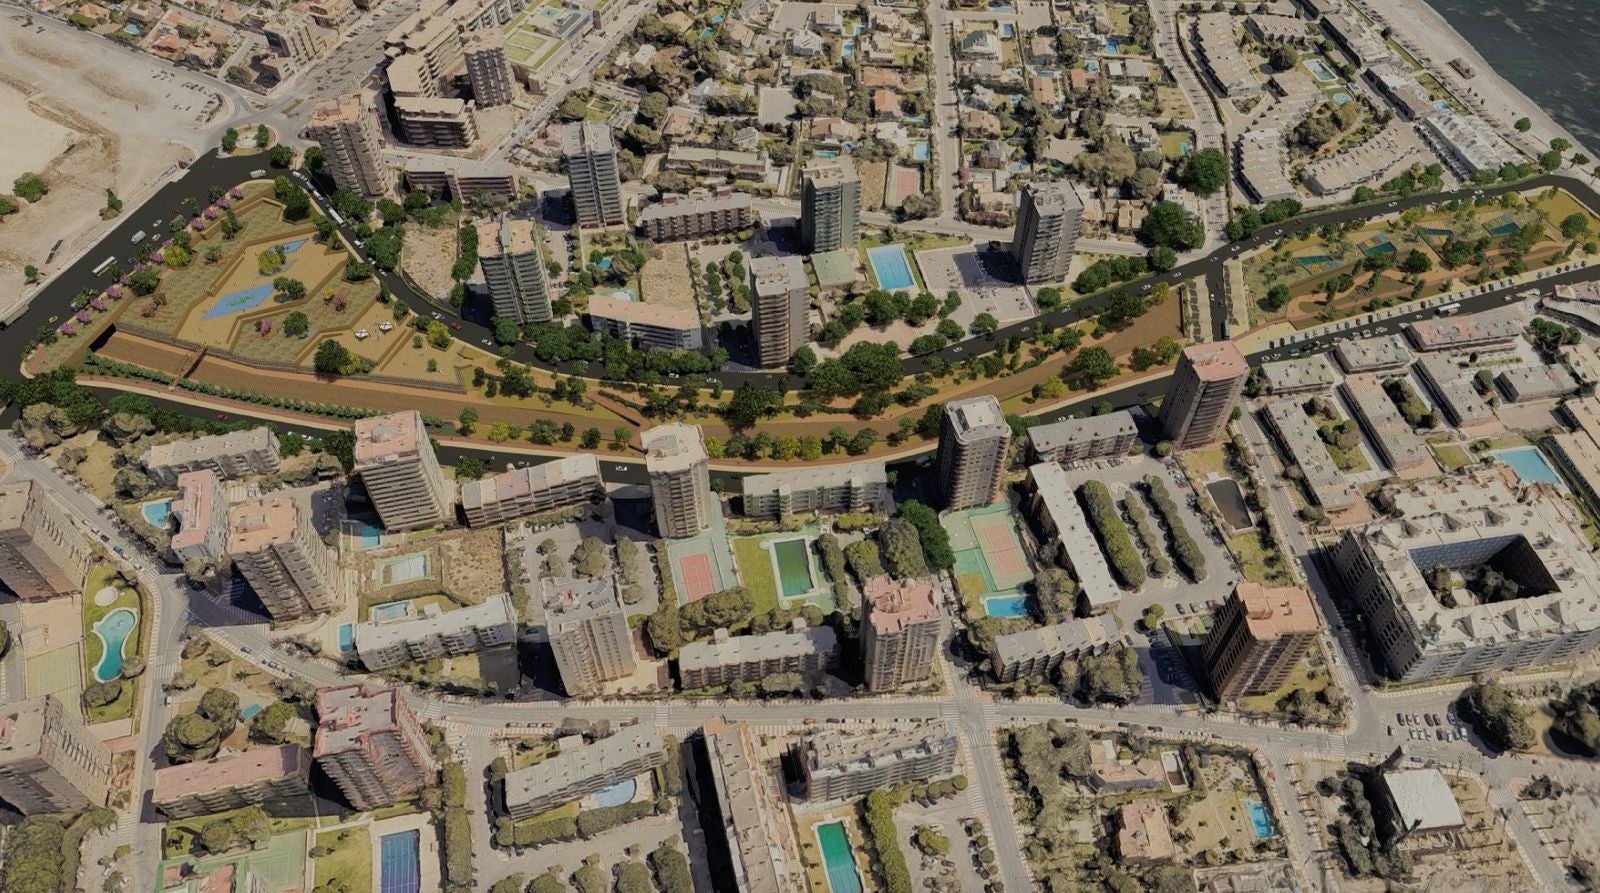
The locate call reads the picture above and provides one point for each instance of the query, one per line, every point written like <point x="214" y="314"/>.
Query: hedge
<point x="1102" y="511"/>
<point x="672" y="869"/>
<point x="1159" y="565"/>
<point x="880" y="827"/>
<point x="1190" y="559"/>
<point x="833" y="564"/>
<point x="595" y="821"/>
<point x="457" y="847"/>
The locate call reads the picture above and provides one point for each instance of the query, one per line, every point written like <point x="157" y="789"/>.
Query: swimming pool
<point x="616" y="794"/>
<point x="890" y="267"/>
<point x="157" y="512"/>
<point x="368" y="535"/>
<point x="1530" y="465"/>
<point x="1007" y="29"/>
<point x="920" y="151"/>
<point x="1319" y="69"/>
<point x="793" y="563"/>
<point x="1006" y="605"/>
<point x="836" y="858"/>
<point x="1341" y="97"/>
<point x="250" y="711"/>
<point x="387" y="612"/>
<point x="399" y="865"/>
<point x="113" y="630"/>
<point x="1260" y="822"/>
<point x="347" y="636"/>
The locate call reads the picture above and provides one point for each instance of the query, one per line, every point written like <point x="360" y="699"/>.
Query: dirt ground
<point x="95" y="119"/>
<point x="428" y="256"/>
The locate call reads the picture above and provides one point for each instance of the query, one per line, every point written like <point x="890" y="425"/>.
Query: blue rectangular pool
<point x="1530" y="465"/>
<point x="399" y="865"/>
<point x="890" y="267"/>
<point x="837" y="858"/>
<point x="1006" y="605"/>
<point x="1260" y="822"/>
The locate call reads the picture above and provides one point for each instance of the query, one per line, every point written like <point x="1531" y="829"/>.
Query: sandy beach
<point x="1425" y="33"/>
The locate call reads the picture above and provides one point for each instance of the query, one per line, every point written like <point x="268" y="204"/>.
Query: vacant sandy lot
<point x="88" y="116"/>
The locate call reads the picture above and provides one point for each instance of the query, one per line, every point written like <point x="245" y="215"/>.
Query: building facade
<point x="532" y="489"/>
<point x="201" y="514"/>
<point x="725" y="659"/>
<point x="437" y="122"/>
<point x="244" y="779"/>
<point x="371" y="746"/>
<point x="588" y="633"/>
<point x="514" y="269"/>
<point x="1202" y="393"/>
<point x="232" y="455"/>
<point x="830" y="205"/>
<point x="661" y="326"/>
<point x="1036" y="653"/>
<point x="974" y="446"/>
<point x="435" y="634"/>
<point x="43" y="552"/>
<point x="579" y="769"/>
<point x="275" y="548"/>
<point x="901" y="630"/>
<point x="488" y="71"/>
<point x="1257" y="638"/>
<point x="680" y="479"/>
<point x="591" y="162"/>
<point x="780" y="298"/>
<point x="857" y="487"/>
<point x="347" y="131"/>
<point x="697" y="215"/>
<point x="50" y="761"/>
<point x="1046" y="233"/>
<point x="397" y="465"/>
<point x="837" y="766"/>
<point x="1078" y="440"/>
<point x="750" y="816"/>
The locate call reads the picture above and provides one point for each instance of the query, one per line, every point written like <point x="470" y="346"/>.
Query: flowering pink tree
<point x="339" y="303"/>
<point x="235" y="192"/>
<point x="82" y="316"/>
<point x="113" y="292"/>
<point x="158" y="256"/>
<point x="196" y="224"/>
<point x="264" y="326"/>
<point x="149" y="309"/>
<point x="98" y="304"/>
<point x="67" y="329"/>
<point x="211" y="213"/>
<point x="224" y="202"/>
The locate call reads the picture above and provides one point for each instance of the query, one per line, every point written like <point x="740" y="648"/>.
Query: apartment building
<point x="1475" y="519"/>
<point x="397" y="465"/>
<point x="836" y="766"/>
<point x="437" y="122"/>
<point x="1467" y="143"/>
<point x="1078" y="440"/>
<point x="1302" y="444"/>
<point x="588" y="633"/>
<point x="444" y="178"/>
<point x="437" y="633"/>
<point x="578" y="769"/>
<point x="1036" y="653"/>
<point x="275" y="548"/>
<point x="901" y="630"/>
<point x="680" y="479"/>
<point x="532" y="489"/>
<point x="1046" y="232"/>
<point x="1202" y="393"/>
<point x="697" y="215"/>
<point x="974" y="447"/>
<point x="1401" y="449"/>
<point x="50" y="761"/>
<point x="780" y="298"/>
<point x="201" y="515"/>
<point x="433" y="35"/>
<point x="1451" y="387"/>
<point x="232" y="455"/>
<point x="1052" y="503"/>
<point x="514" y="268"/>
<point x="1300" y="376"/>
<point x="659" y="326"/>
<point x="1257" y="637"/>
<point x="725" y="659"/>
<point x="1477" y="332"/>
<point x="591" y="161"/>
<point x="230" y="782"/>
<point x="1385" y="353"/>
<point x="830" y="205"/>
<point x="1221" y="56"/>
<point x="856" y="487"/>
<point x="298" y="38"/>
<point x="1262" y="165"/>
<point x="488" y="71"/>
<point x="43" y="551"/>
<point x="750" y="814"/>
<point x="371" y="746"/>
<point x="347" y="131"/>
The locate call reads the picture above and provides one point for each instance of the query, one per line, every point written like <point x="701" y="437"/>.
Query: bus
<point x="1448" y="309"/>
<point x="101" y="267"/>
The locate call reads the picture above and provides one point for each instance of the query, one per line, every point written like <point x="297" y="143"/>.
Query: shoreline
<point x="1499" y="101"/>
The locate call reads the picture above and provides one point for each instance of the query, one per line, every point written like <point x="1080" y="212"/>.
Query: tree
<point x="1206" y="171"/>
<point x="1416" y="263"/>
<point x="1170" y="225"/>
<point x="1092" y="366"/>
<point x="190" y="737"/>
<point x="901" y="547"/>
<point x="438" y="334"/>
<point x="1523" y="125"/>
<point x="30" y="186"/>
<point x="333" y="358"/>
<point x="271" y="723"/>
<point x="1574" y="225"/>
<point x="931" y="534"/>
<point x="750" y="404"/>
<point x="984" y="323"/>
<point x="1499" y="720"/>
<point x="467" y="419"/>
<point x="296" y="324"/>
<point x="469" y="468"/>
<point x="290" y="289"/>
<point x="802" y="361"/>
<point x="230" y="139"/>
<point x="1284" y="58"/>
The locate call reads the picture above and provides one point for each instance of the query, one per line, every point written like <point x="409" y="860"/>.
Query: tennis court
<point x="694" y="571"/>
<point x="988" y="549"/>
<point x="400" y="867"/>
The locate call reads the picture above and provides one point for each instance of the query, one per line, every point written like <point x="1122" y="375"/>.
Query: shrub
<point x="1102" y="512"/>
<point x="1497" y="717"/>
<point x="880" y="828"/>
<point x="672" y="868"/>
<point x="1190" y="559"/>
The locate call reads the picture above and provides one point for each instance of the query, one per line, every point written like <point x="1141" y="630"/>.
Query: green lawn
<point x="99" y="577"/>
<point x="755" y="571"/>
<point x="1252" y="559"/>
<point x="1450" y="455"/>
<point x="350" y="861"/>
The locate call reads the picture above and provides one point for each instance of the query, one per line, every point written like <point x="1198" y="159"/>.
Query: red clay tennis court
<point x="1001" y="551"/>
<point x="695" y="572"/>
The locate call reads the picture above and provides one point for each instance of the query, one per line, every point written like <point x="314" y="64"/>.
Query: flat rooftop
<point x="897" y="604"/>
<point x="236" y="770"/>
<point x="258" y="523"/>
<point x="673" y="447"/>
<point x="388" y="438"/>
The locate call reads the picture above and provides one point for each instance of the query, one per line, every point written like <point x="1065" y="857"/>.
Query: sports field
<point x="990" y="562"/>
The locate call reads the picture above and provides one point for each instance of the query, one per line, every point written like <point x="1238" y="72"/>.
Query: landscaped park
<point x="1339" y="271"/>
